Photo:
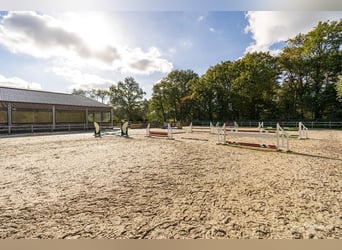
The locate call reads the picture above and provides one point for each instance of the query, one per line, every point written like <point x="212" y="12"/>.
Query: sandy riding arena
<point x="78" y="186"/>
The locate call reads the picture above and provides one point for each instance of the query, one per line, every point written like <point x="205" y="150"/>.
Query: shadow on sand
<point x="284" y="152"/>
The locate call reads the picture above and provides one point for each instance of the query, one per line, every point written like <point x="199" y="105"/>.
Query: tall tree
<point x="203" y="97"/>
<point x="127" y="98"/>
<point x="102" y="94"/>
<point x="172" y="95"/>
<point x="158" y="104"/>
<point x="339" y="88"/>
<point x="256" y="85"/>
<point x="311" y="63"/>
<point x="214" y="94"/>
<point x="81" y="92"/>
<point x="322" y="48"/>
<point x="295" y="70"/>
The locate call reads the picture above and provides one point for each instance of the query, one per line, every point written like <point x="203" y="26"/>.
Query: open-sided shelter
<point x="31" y="110"/>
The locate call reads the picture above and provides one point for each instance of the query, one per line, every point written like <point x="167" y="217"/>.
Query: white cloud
<point x="138" y="61"/>
<point x="80" y="79"/>
<point x="270" y="27"/>
<point x="43" y="36"/>
<point x="16" y="82"/>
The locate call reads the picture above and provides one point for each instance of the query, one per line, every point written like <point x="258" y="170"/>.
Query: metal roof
<point x="43" y="97"/>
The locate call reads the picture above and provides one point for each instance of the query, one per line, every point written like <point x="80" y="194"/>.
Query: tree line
<point x="304" y="81"/>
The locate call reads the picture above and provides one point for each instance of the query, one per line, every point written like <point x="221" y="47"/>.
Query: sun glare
<point x="94" y="27"/>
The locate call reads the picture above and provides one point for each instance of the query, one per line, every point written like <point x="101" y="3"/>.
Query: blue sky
<point x="62" y="50"/>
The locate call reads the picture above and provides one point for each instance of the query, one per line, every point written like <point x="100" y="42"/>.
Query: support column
<point x="9" y="117"/>
<point x="53" y="117"/>
<point x="111" y="117"/>
<point x="86" y="119"/>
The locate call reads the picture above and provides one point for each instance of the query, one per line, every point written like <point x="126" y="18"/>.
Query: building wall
<point x="51" y="117"/>
<point x="3" y="116"/>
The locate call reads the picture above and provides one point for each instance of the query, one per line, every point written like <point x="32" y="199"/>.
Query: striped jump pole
<point x="249" y="144"/>
<point x="253" y="130"/>
<point x="162" y="134"/>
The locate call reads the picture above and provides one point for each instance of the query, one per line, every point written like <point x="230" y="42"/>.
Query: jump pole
<point x="211" y="128"/>
<point x="260" y="129"/>
<point x="122" y="131"/>
<point x="301" y="129"/>
<point x="161" y="134"/>
<point x="280" y="135"/>
<point x="249" y="144"/>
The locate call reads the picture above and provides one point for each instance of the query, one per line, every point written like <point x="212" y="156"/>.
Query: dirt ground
<point x="78" y="186"/>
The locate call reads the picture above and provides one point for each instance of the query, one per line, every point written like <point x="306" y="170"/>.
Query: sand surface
<point x="78" y="186"/>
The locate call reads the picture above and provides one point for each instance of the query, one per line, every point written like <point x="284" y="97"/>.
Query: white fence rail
<point x="292" y="124"/>
<point x="34" y="128"/>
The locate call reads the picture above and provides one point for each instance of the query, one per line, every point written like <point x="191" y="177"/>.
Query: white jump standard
<point x="211" y="129"/>
<point x="282" y="138"/>
<point x="302" y="130"/>
<point x="260" y="129"/>
<point x="122" y="131"/>
<point x="162" y="134"/>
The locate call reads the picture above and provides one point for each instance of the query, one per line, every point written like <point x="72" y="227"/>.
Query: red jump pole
<point x="156" y="133"/>
<point x="249" y="144"/>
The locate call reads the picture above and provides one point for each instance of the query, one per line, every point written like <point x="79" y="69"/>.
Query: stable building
<point x="24" y="110"/>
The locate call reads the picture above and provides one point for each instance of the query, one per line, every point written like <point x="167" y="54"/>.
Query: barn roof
<point x="43" y="97"/>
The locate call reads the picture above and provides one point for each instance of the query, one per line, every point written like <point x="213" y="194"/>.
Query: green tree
<point x="94" y="94"/>
<point x="81" y="92"/>
<point x="338" y="87"/>
<point x="127" y="98"/>
<point x="295" y="70"/>
<point x="171" y="97"/>
<point x="322" y="49"/>
<point x="102" y="94"/>
<point x="159" y="105"/>
<point x="311" y="63"/>
<point x="213" y="93"/>
<point x="203" y="99"/>
<point x="256" y="86"/>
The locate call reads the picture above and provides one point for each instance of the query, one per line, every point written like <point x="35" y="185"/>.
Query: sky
<point x="58" y="49"/>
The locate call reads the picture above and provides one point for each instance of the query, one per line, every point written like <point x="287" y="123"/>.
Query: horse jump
<point x="212" y="129"/>
<point x="260" y="129"/>
<point x="162" y="134"/>
<point x="122" y="131"/>
<point x="302" y="130"/>
<point x="281" y="136"/>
